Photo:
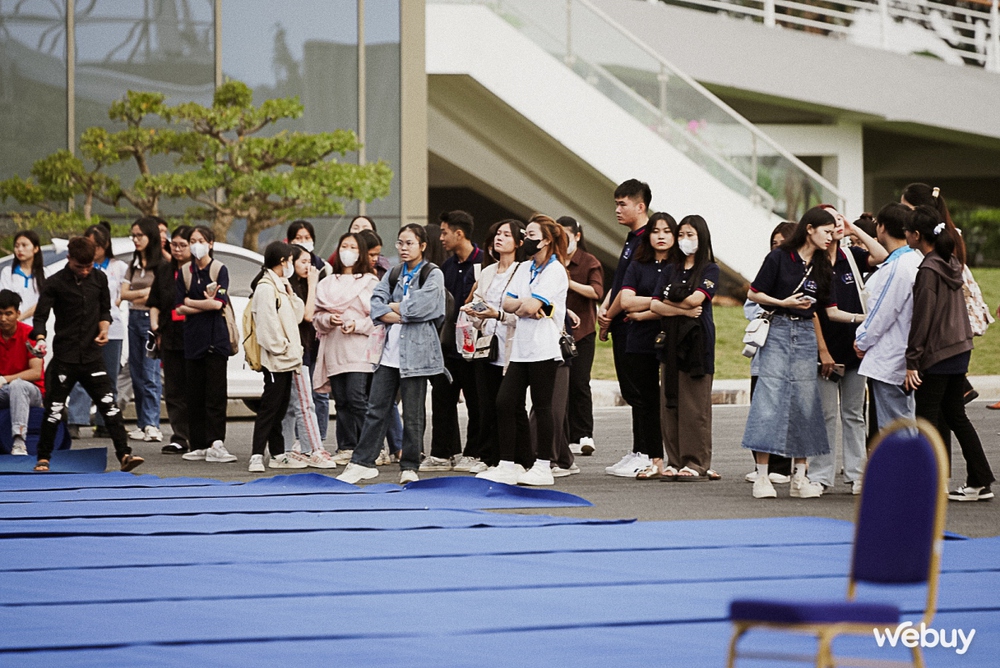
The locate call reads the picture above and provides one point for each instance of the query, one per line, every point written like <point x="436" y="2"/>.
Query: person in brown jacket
<point x="940" y="346"/>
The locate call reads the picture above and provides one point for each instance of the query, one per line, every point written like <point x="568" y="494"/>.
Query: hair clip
<point x="935" y="193"/>
<point x="939" y="229"/>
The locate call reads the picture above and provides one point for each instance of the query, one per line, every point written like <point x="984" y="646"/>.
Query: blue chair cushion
<point x="35" y="416"/>
<point x="812" y="612"/>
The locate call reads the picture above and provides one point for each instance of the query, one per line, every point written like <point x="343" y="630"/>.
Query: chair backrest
<point x="901" y="513"/>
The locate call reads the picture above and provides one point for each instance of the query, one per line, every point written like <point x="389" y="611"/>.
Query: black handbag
<point x="568" y="346"/>
<point x="487" y="348"/>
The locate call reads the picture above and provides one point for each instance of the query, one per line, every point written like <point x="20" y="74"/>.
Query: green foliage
<point x="221" y="163"/>
<point x="981" y="231"/>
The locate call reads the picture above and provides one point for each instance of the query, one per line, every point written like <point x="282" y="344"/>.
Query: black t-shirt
<point x="708" y="284"/>
<point x="643" y="278"/>
<point x="162" y="296"/>
<point x="205" y="332"/>
<point x="839" y="336"/>
<point x="624" y="260"/>
<point x="781" y="275"/>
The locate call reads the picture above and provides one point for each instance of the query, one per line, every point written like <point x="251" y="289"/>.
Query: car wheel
<point x="252" y="404"/>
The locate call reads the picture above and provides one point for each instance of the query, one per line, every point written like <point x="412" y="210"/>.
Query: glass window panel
<point x="383" y="102"/>
<point x="32" y="84"/>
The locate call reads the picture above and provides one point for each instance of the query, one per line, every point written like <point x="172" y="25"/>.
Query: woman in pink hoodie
<point x="343" y="324"/>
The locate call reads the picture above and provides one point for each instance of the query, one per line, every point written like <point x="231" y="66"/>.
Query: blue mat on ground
<point x="88" y="460"/>
<point x="257" y="580"/>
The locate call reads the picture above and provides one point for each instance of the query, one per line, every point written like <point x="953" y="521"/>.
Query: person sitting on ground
<point x="21" y="384"/>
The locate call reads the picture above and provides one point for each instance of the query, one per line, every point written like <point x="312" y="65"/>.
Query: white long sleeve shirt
<point x="884" y="333"/>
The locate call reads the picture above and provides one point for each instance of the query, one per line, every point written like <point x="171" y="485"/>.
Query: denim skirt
<point x="786" y="414"/>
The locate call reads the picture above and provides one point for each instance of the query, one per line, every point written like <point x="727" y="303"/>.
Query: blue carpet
<point x="304" y="571"/>
<point x="88" y="460"/>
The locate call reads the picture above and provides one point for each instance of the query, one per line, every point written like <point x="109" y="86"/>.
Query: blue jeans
<point x="145" y="372"/>
<point x="78" y="412"/>
<point x="382" y="401"/>
<point x="321" y="400"/>
<point x="892" y="402"/>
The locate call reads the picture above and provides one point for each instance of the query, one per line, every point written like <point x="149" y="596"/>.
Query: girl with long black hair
<point x="26" y="275"/>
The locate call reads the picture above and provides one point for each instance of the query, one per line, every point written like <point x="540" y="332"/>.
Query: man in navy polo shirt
<point x="632" y="200"/>
<point x="461" y="270"/>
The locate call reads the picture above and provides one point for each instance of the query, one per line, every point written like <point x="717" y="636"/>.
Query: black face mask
<point x="530" y="246"/>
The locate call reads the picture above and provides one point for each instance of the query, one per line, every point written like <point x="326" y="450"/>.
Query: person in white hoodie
<point x="277" y="312"/>
<point x="881" y="339"/>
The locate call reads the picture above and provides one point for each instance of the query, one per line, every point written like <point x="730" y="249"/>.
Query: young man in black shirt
<point x="81" y="301"/>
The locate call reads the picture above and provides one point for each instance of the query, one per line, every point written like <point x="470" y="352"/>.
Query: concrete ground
<point x="625" y="498"/>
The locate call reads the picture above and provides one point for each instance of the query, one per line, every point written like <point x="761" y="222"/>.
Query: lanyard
<point x="19" y="272"/>
<point x="408" y="276"/>
<point x="535" y="271"/>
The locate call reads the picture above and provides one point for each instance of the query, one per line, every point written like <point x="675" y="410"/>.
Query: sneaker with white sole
<point x="856" y="487"/>
<point x="152" y="434"/>
<point x="383" y="458"/>
<point x="968" y="493"/>
<point x="587" y="447"/>
<point x="478" y="467"/>
<point x="506" y="473"/>
<point x="343" y="456"/>
<point x="575" y="449"/>
<point x="559" y="472"/>
<point x="355" y="473"/>
<point x="256" y="464"/>
<point x="633" y="468"/>
<point x="464" y="464"/>
<point x="195" y="455"/>
<point x="408" y="476"/>
<point x="19" y="449"/>
<point x="627" y="459"/>
<point x="763" y="489"/>
<point x="804" y="488"/>
<point x="297" y="455"/>
<point x="776" y="478"/>
<point x="218" y="453"/>
<point x="321" y="459"/>
<point x="538" y="475"/>
<point x="435" y="464"/>
<point x="286" y="461"/>
<point x="137" y="434"/>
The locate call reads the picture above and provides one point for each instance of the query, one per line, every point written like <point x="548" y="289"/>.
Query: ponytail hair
<point x="926" y="221"/>
<point x="554" y="233"/>
<point x="921" y="194"/>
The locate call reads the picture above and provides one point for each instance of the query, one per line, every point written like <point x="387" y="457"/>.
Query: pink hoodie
<point x="350" y="297"/>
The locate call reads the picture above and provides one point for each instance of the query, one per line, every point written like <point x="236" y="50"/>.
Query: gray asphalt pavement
<point x="625" y="498"/>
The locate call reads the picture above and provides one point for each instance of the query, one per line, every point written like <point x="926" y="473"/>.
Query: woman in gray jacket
<point x="410" y="302"/>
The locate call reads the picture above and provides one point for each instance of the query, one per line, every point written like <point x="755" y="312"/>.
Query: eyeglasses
<point x="406" y="244"/>
<point x="134" y="237"/>
<point x="180" y="246"/>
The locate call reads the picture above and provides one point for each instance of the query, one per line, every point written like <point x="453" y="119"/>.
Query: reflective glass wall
<point x="305" y="48"/>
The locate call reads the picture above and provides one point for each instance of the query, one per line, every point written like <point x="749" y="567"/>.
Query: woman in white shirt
<point x="26" y="274"/>
<point x="503" y="241"/>
<point x="537" y="297"/>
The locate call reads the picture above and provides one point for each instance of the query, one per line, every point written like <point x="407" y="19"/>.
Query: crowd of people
<point x="884" y="308"/>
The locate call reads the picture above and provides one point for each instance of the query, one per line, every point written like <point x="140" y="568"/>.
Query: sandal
<point x="42" y="465"/>
<point x="669" y="474"/>
<point x="130" y="462"/>
<point x="651" y="472"/>
<point x="688" y="474"/>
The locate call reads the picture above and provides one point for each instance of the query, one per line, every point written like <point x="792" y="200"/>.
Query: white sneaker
<point x="627" y="459"/>
<point x="506" y="473"/>
<point x="286" y="461"/>
<point x="19" y="449"/>
<point x="256" y="464"/>
<point x="465" y="464"/>
<point x="321" y="459"/>
<point x="804" y="488"/>
<point x="435" y="464"/>
<point x="558" y="472"/>
<point x="195" y="455"/>
<point x="751" y="477"/>
<point x="478" y="467"/>
<point x="763" y="489"/>
<point x="355" y="473"/>
<point x="218" y="453"/>
<point x="575" y="448"/>
<point x="776" y="478"/>
<point x="632" y="468"/>
<point x="343" y="456"/>
<point x="538" y="475"/>
<point x="137" y="434"/>
<point x="152" y="434"/>
<point x="296" y="446"/>
<point x="408" y="476"/>
<point x="587" y="446"/>
<point x="856" y="488"/>
<point x="969" y="493"/>
<point x="383" y="458"/>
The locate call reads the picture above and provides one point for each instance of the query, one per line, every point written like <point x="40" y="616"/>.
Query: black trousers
<point x="515" y="445"/>
<point x="488" y="380"/>
<point x="207" y="395"/>
<point x="644" y="371"/>
<point x="273" y="406"/>
<point x="581" y="403"/>
<point x="446" y="438"/>
<point x="626" y="385"/>
<point x="175" y="394"/>
<point x="941" y="399"/>
<point x="560" y="455"/>
<point x="60" y="378"/>
<point x="775" y="463"/>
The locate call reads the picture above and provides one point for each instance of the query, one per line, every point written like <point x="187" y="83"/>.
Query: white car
<point x="243" y="266"/>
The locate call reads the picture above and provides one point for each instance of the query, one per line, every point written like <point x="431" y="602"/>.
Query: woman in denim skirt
<point x="786" y="415"/>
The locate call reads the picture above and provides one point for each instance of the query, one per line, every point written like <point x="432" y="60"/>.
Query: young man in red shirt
<point x="21" y="384"/>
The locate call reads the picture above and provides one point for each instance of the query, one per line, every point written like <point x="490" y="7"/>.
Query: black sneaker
<point x="970" y="396"/>
<point x="173" y="449"/>
<point x="971" y="494"/>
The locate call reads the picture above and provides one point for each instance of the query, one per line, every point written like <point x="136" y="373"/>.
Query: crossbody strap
<point x="858" y="283"/>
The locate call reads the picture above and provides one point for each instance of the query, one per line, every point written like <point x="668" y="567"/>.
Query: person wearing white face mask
<point x="343" y="324"/>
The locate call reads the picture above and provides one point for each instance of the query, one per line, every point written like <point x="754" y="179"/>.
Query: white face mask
<point x="688" y="246"/>
<point x="289" y="269"/>
<point x="571" y="246"/>
<point x="308" y="245"/>
<point x="349" y="257"/>
<point x="199" y="251"/>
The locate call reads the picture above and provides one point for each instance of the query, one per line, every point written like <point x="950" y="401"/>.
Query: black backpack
<point x="445" y="324"/>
